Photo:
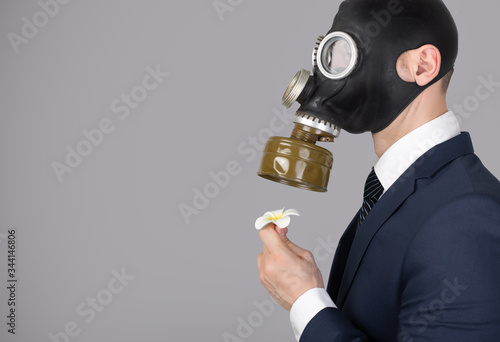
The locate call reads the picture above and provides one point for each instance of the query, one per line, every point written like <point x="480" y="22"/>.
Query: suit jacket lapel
<point x="426" y="166"/>
<point x="386" y="206"/>
<point x="340" y="260"/>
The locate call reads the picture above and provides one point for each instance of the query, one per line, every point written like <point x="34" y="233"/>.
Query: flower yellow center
<point x="277" y="217"/>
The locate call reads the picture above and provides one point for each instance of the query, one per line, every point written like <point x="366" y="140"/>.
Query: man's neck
<point x="429" y="105"/>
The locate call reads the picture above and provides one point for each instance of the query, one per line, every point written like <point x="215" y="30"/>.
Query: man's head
<point x="372" y="38"/>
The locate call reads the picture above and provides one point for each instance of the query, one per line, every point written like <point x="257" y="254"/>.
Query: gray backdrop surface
<point x="119" y="116"/>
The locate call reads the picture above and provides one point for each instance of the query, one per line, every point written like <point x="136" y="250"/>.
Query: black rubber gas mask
<point x="355" y="85"/>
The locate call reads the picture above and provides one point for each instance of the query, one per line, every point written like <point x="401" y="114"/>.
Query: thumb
<point x="293" y="247"/>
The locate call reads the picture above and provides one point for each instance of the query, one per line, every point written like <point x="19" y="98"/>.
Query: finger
<point x="281" y="232"/>
<point x="274" y="242"/>
<point x="303" y="253"/>
<point x="259" y="261"/>
<point x="271" y="239"/>
<point x="259" y="268"/>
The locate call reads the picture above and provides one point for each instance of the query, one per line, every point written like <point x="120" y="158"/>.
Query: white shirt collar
<point x="402" y="154"/>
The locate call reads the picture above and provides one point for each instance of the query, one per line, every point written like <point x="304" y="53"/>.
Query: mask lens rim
<point x="323" y="47"/>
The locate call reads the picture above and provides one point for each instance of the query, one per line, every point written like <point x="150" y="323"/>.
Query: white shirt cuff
<point x="306" y="307"/>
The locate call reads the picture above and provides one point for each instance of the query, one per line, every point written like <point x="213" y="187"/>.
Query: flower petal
<point x="282" y="222"/>
<point x="261" y="222"/>
<point x="291" y="212"/>
<point x="268" y="215"/>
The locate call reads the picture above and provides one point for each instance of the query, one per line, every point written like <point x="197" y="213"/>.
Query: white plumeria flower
<point x="280" y="218"/>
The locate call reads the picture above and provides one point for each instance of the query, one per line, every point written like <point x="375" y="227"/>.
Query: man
<point x="418" y="261"/>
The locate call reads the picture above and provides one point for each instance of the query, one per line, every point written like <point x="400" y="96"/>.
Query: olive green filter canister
<point x="296" y="163"/>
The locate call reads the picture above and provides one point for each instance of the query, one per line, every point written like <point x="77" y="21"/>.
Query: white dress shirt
<point x="393" y="163"/>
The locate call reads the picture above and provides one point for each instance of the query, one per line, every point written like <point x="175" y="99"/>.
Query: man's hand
<point x="286" y="270"/>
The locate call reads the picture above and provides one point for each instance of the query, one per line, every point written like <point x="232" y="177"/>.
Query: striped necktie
<point x="373" y="191"/>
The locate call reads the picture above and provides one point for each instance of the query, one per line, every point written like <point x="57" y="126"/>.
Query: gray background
<point x="120" y="207"/>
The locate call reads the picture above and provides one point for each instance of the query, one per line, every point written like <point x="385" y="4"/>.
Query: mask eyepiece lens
<point x="338" y="55"/>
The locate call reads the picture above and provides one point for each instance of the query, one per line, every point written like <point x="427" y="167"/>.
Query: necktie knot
<point x="373" y="191"/>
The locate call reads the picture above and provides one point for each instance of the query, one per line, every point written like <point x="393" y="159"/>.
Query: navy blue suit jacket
<point x="425" y="265"/>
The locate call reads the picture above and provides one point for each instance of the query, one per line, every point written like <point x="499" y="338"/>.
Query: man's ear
<point x="419" y="66"/>
<point x="428" y="64"/>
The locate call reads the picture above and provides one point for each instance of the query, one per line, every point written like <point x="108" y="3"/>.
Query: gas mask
<point x="354" y="84"/>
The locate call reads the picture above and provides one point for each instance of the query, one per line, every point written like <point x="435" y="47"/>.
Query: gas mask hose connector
<point x="310" y="135"/>
<point x="301" y="135"/>
<point x="295" y="88"/>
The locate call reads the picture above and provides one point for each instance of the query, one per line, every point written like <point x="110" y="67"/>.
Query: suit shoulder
<point x="462" y="177"/>
<point x="480" y="178"/>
